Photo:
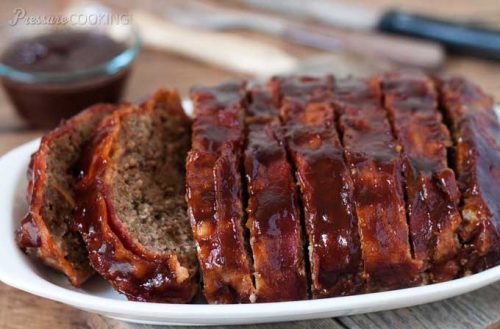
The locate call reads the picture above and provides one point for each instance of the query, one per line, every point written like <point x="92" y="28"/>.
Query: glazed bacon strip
<point x="432" y="193"/>
<point x="375" y="165"/>
<point x="273" y="208"/>
<point x="326" y="186"/>
<point x="214" y="193"/>
<point x="301" y="89"/>
<point x="476" y="132"/>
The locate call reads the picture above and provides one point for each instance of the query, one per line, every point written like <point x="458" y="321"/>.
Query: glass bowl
<point x="43" y="99"/>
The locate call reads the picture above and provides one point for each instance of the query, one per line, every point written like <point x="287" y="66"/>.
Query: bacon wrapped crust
<point x="214" y="193"/>
<point x="48" y="231"/>
<point x="432" y="193"/>
<point x="303" y="88"/>
<point x="376" y="168"/>
<point x="131" y="207"/>
<point x="273" y="209"/>
<point x="326" y="186"/>
<point x="476" y="132"/>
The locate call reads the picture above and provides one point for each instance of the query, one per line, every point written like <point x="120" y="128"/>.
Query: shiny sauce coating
<point x="326" y="186"/>
<point x="476" y="131"/>
<point x="274" y="217"/>
<point x="214" y="193"/>
<point x="432" y="193"/>
<point x="376" y="167"/>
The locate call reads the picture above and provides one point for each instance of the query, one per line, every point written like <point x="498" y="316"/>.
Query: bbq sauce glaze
<point x="44" y="104"/>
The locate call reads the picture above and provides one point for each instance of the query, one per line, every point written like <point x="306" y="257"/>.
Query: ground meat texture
<point x="148" y="183"/>
<point x="48" y="230"/>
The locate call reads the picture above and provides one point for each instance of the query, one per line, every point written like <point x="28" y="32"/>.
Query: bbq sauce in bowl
<point x="53" y="76"/>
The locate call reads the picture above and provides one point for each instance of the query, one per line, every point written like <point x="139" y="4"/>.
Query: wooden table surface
<point x="480" y="309"/>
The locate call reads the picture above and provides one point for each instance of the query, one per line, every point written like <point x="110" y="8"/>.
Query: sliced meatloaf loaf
<point x="47" y="231"/>
<point x="132" y="212"/>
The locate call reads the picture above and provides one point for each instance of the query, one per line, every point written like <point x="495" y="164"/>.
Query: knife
<point x="204" y="16"/>
<point x="458" y="38"/>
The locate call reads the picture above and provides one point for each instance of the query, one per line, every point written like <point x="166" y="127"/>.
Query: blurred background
<point x="206" y="42"/>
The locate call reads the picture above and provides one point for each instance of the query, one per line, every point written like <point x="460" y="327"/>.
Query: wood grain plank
<point x="20" y="310"/>
<point x="99" y="322"/>
<point x="479" y="309"/>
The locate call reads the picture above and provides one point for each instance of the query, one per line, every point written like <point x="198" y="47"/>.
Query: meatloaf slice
<point x="274" y="218"/>
<point x="214" y="193"/>
<point x="132" y="213"/>
<point x="47" y="231"/>
<point x="326" y="186"/>
<point x="376" y="166"/>
<point x="431" y="190"/>
<point x="476" y="134"/>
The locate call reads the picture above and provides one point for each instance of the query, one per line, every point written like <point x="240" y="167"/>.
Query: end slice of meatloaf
<point x="132" y="211"/>
<point x="47" y="231"/>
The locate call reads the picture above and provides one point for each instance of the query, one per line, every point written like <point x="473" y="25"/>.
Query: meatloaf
<point x="131" y="208"/>
<point x="307" y="187"/>
<point x="274" y="216"/>
<point x="376" y="170"/>
<point x="476" y="132"/>
<point x="432" y="194"/>
<point x="324" y="179"/>
<point x="48" y="231"/>
<point x="214" y="193"/>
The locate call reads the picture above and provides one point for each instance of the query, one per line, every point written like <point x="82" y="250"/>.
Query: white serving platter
<point x="19" y="271"/>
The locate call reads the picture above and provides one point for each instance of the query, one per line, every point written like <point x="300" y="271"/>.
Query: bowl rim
<point x="110" y="67"/>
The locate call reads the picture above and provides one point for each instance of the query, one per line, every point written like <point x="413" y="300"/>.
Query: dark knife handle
<point x="456" y="38"/>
